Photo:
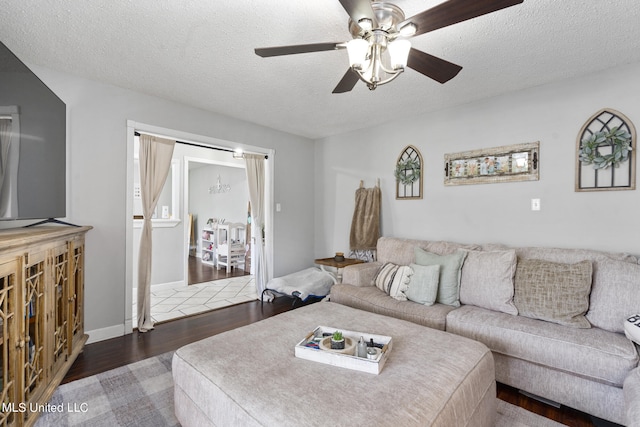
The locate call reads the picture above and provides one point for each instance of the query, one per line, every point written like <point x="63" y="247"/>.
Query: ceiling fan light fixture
<point x="357" y="50"/>
<point x="379" y="51"/>
<point x="408" y="30"/>
<point x="365" y="24"/>
<point x="399" y="53"/>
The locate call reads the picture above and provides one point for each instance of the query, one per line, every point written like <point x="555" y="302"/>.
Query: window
<point x="168" y="208"/>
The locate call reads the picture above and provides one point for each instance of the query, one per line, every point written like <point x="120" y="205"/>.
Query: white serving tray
<point x="372" y="366"/>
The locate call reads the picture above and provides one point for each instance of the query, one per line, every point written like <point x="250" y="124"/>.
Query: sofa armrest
<point x="360" y="274"/>
<point x="631" y="390"/>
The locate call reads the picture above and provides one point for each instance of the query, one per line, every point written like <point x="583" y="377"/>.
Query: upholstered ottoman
<point x="250" y="377"/>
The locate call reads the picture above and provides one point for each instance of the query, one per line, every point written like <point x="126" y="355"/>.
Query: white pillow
<point x="393" y="280"/>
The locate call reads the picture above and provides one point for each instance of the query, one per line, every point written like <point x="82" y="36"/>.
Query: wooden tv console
<point x="41" y="316"/>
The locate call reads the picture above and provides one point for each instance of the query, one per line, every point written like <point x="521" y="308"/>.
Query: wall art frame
<point x="509" y="163"/>
<point x="620" y="173"/>
<point x="409" y="174"/>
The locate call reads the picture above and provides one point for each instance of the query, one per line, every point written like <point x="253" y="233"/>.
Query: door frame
<point x="205" y="142"/>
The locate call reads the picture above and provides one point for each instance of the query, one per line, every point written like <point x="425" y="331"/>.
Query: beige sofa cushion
<point x="593" y="353"/>
<point x="370" y="298"/>
<point x="554" y="292"/>
<point x="487" y="280"/>
<point x="402" y="251"/>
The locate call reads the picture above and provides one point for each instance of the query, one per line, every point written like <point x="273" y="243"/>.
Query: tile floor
<point x="171" y="303"/>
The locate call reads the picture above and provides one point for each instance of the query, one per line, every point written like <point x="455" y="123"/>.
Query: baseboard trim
<point x="102" y="334"/>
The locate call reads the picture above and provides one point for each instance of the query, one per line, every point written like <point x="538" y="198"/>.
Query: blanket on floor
<point x="303" y="284"/>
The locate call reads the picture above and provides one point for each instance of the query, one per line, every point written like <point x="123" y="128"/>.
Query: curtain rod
<point x="136" y="133"/>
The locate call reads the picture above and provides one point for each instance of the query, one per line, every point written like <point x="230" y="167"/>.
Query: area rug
<point x="141" y="395"/>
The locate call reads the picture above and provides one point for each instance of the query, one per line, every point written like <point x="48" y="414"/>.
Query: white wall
<point x="552" y="114"/>
<point x="97" y="174"/>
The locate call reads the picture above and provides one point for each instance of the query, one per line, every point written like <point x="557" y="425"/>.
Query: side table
<point x="338" y="265"/>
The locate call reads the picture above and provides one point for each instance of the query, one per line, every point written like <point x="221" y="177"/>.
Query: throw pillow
<point x="614" y="294"/>
<point x="423" y="286"/>
<point x="553" y="292"/>
<point x="393" y="280"/>
<point x="487" y="280"/>
<point x="449" y="281"/>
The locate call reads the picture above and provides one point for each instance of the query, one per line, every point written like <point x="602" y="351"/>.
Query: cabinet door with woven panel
<point x="9" y="285"/>
<point x="59" y="305"/>
<point x="33" y="334"/>
<point x="76" y="293"/>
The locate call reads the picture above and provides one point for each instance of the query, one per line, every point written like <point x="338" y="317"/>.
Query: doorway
<point x="197" y="145"/>
<point x="215" y="193"/>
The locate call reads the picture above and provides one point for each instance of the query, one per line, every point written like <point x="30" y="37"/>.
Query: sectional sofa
<point x="553" y="318"/>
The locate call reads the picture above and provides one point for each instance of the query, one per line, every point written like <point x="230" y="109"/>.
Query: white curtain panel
<point x="255" y="178"/>
<point x="155" y="162"/>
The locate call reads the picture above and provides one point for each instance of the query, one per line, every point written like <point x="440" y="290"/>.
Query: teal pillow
<point x="423" y="287"/>
<point x="450" y="267"/>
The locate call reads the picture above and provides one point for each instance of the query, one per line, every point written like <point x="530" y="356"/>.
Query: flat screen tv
<point x="32" y="144"/>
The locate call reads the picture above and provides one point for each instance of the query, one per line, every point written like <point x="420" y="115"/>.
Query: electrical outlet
<point x="535" y="204"/>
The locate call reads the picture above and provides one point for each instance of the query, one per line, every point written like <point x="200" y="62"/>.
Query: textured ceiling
<point x="200" y="53"/>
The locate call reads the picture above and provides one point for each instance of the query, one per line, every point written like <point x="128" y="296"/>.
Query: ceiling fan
<point x="380" y="51"/>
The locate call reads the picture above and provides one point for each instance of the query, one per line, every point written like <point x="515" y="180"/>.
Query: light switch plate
<point x="535" y="204"/>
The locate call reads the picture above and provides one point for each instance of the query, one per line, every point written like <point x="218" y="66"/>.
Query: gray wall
<point x="230" y="206"/>
<point x="97" y="174"/>
<point x="552" y="114"/>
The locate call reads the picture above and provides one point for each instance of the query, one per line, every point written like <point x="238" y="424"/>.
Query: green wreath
<point x="618" y="139"/>
<point x="409" y="165"/>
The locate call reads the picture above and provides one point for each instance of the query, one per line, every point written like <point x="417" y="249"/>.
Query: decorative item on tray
<point x="362" y="351"/>
<point x="339" y="256"/>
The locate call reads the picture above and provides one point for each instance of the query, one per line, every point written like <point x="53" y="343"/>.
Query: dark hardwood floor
<point x="109" y="354"/>
<point x="200" y="272"/>
<point x="563" y="415"/>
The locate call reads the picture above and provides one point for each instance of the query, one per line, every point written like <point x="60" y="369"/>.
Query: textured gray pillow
<point x="393" y="280"/>
<point x="423" y="286"/>
<point x="553" y="292"/>
<point x="450" y="266"/>
<point x="487" y="280"/>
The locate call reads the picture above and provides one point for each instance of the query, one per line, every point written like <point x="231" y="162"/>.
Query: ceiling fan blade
<point x="358" y="9"/>
<point x="431" y="66"/>
<point x="348" y="82"/>
<point x="454" y="11"/>
<point x="300" y="48"/>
